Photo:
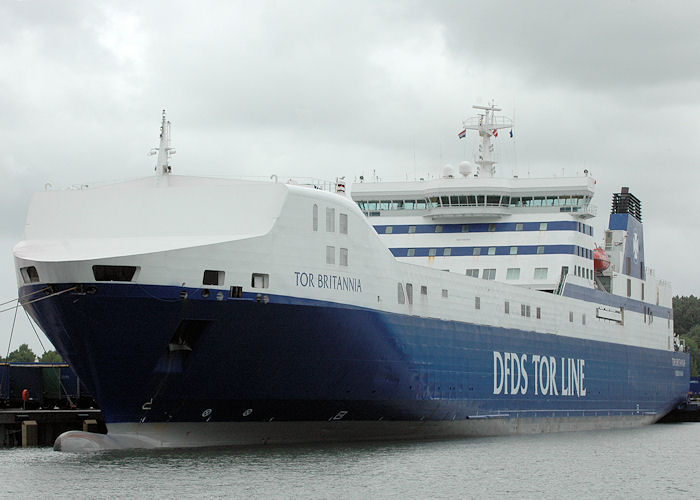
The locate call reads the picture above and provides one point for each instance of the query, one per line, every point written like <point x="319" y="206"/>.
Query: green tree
<point x="51" y="357"/>
<point x="686" y="313"/>
<point x="23" y="354"/>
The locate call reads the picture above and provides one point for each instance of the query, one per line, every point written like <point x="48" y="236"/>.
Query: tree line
<point x="686" y="324"/>
<point x="23" y="354"/>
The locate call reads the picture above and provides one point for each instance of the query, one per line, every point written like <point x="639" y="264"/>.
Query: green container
<point x="51" y="376"/>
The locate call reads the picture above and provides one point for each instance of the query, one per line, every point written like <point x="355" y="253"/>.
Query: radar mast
<point x="487" y="124"/>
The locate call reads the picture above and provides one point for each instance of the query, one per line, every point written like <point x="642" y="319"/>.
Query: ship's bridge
<point x="477" y="197"/>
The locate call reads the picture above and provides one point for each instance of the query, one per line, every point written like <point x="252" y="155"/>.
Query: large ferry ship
<point x="205" y="311"/>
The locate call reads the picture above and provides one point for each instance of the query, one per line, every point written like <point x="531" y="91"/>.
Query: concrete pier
<point x="41" y="427"/>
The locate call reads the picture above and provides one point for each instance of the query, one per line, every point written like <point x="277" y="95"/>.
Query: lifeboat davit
<point x="601" y="261"/>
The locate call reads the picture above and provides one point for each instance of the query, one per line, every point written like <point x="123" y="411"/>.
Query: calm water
<point x="651" y="462"/>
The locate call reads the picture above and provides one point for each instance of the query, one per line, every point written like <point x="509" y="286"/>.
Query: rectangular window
<point x="489" y="274"/>
<point x="477" y="302"/>
<point x="571" y="316"/>
<point x="519" y="226"/>
<point x="260" y="280"/>
<point x="112" y="273"/>
<point x="315" y="216"/>
<point x="411" y="229"/>
<point x="401" y="297"/>
<point x="438" y="229"/>
<point x="492" y="228"/>
<point x="213" y="278"/>
<point x="330" y="220"/>
<point x="540" y="273"/>
<point x="527" y="311"/>
<point x="540" y="250"/>
<point x="465" y="228"/>
<point x="344" y="257"/>
<point x="236" y="292"/>
<point x="629" y="287"/>
<point x="444" y="293"/>
<point x="538" y="312"/>
<point x="432" y="252"/>
<point x="409" y="293"/>
<point x="388" y="230"/>
<point x="474" y="273"/>
<point x="447" y="252"/>
<point x="642" y="298"/>
<point x="410" y="252"/>
<point x="583" y="319"/>
<point x="330" y="255"/>
<point x="543" y="226"/>
<point x="477" y="251"/>
<point x="513" y="273"/>
<point x="506" y="307"/>
<point x="343" y="223"/>
<point x="514" y="250"/>
<point x="30" y="274"/>
<point x="423" y="290"/>
<point x="492" y="250"/>
<point x="522" y="309"/>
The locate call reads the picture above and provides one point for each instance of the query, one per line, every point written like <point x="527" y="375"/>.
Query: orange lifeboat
<point x="601" y="261"/>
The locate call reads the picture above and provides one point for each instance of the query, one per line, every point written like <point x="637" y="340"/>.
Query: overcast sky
<point x="326" y="89"/>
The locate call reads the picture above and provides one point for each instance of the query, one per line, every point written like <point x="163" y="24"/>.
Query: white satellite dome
<point x="448" y="172"/>
<point x="466" y="168"/>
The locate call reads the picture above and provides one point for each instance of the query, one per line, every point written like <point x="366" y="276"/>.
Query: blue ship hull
<point x="285" y="359"/>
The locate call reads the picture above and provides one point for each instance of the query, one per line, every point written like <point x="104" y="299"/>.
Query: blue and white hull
<point x="298" y="370"/>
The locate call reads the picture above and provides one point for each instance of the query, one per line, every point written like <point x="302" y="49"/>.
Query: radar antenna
<point x="487" y="125"/>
